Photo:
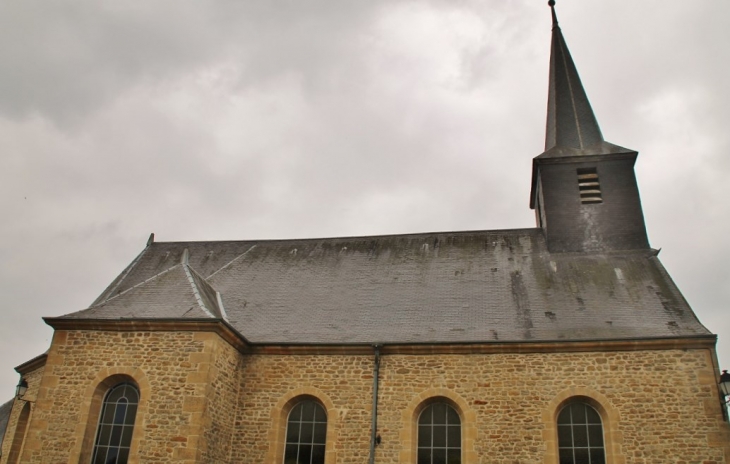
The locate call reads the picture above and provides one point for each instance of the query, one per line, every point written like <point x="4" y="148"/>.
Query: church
<point x="566" y="343"/>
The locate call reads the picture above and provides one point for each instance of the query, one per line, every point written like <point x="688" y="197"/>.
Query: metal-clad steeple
<point x="584" y="189"/>
<point x="570" y="119"/>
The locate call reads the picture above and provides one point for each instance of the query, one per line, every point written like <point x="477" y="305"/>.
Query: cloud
<point x="205" y="120"/>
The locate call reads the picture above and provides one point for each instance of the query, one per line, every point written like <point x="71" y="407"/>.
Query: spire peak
<point x="551" y="3"/>
<point x="571" y="122"/>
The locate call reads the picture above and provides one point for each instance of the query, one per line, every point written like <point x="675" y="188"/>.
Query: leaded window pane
<point x="292" y="432"/>
<point x="581" y="455"/>
<point x="578" y="413"/>
<point x="580" y="435"/>
<point x="318" y="453"/>
<point x="320" y="433"/>
<point x="123" y="455"/>
<point x="565" y="435"/>
<point x="439" y="435"/>
<point x="306" y="434"/>
<point x="108" y="413"/>
<point x="598" y="456"/>
<point x="592" y="416"/>
<point x="454" y="436"/>
<point x="439" y="413"/>
<point x="566" y="456"/>
<point x="116" y="425"/>
<point x="424" y="436"/>
<point x="595" y="435"/>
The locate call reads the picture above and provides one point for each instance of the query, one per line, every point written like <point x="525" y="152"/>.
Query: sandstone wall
<point x="271" y="386"/>
<point x="222" y="392"/>
<point x="12" y="440"/>
<point x="204" y="402"/>
<point x="658" y="406"/>
<point x="170" y="370"/>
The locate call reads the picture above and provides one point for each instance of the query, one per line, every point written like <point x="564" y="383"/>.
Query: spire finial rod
<point x="571" y="122"/>
<point x="552" y="11"/>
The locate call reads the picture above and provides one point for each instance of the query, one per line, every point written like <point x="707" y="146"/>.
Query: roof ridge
<point x="136" y="286"/>
<point x="189" y="270"/>
<point x="123" y="276"/>
<point x="231" y="262"/>
<point x="571" y="121"/>
<point x="363" y="237"/>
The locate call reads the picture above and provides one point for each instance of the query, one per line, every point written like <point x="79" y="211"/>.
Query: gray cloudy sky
<point x="207" y="120"/>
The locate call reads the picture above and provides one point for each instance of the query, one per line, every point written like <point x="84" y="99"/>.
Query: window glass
<point x="439" y="435"/>
<point x="116" y="424"/>
<point x="306" y="433"/>
<point x="580" y="435"/>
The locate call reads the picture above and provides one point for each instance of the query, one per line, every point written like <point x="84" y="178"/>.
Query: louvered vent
<point x="590" y="188"/>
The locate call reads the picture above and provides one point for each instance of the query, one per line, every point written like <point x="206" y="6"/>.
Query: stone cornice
<point x="235" y="339"/>
<point x="218" y="326"/>
<point x="702" y="342"/>
<point x="33" y="364"/>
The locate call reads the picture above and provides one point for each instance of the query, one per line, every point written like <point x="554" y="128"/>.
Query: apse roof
<point x="450" y="287"/>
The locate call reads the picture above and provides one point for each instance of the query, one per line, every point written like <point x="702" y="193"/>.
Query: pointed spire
<point x="552" y="11"/>
<point x="570" y="119"/>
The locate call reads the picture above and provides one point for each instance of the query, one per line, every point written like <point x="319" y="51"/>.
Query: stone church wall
<point x="204" y="402"/>
<point x="14" y="438"/>
<point x="657" y="406"/>
<point x="223" y="402"/>
<point x="168" y="368"/>
<point x="272" y="385"/>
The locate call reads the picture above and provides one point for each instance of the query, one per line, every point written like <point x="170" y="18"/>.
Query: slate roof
<point x="451" y="287"/>
<point x="5" y="410"/>
<point x="174" y="292"/>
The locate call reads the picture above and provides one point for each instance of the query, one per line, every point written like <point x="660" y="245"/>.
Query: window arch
<point x="306" y="433"/>
<point x="439" y="435"/>
<point x="116" y="424"/>
<point x="580" y="435"/>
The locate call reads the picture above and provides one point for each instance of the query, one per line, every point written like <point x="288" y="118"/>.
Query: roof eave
<point x="701" y="341"/>
<point x="219" y="326"/>
<point x="32" y="364"/>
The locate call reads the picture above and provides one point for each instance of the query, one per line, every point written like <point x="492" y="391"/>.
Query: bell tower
<point x="584" y="189"/>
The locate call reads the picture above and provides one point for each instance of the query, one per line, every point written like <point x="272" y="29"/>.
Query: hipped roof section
<point x="455" y="287"/>
<point x="176" y="292"/>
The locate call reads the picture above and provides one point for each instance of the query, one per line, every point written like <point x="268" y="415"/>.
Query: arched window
<point x="439" y="435"/>
<point x="116" y="424"/>
<point x="306" y="433"/>
<point x="580" y="435"/>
